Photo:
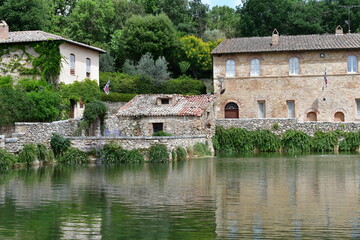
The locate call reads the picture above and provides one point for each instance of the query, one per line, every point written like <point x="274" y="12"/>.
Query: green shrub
<point x="158" y="154"/>
<point x="86" y="90"/>
<point x="117" y="97"/>
<point x="28" y="154"/>
<point x="266" y="141"/>
<point x="161" y="133"/>
<point x="6" y="81"/>
<point x="296" y="141"/>
<point x="7" y="160"/>
<point x="180" y="153"/>
<point x="201" y="149"/>
<point x="59" y="144"/>
<point x="233" y="140"/>
<point x="32" y="85"/>
<point x="73" y="156"/>
<point x="45" y="106"/>
<point x="134" y="156"/>
<point x="185" y="85"/>
<point x="42" y="152"/>
<point x="351" y="141"/>
<point x="324" y="142"/>
<point x="112" y="153"/>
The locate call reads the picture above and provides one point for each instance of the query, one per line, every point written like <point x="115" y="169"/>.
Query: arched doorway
<point x="231" y="110"/>
<point x="311" y="116"/>
<point x="339" y="117"/>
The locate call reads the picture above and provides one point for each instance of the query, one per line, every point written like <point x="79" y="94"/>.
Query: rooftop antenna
<point x="349" y="7"/>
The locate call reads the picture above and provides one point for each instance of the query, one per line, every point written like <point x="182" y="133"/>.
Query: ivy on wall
<point x="47" y="63"/>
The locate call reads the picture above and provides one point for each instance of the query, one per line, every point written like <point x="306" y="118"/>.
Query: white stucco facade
<point x="80" y="69"/>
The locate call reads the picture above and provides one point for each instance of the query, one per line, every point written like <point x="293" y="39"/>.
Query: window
<point x="261" y="105"/>
<point x="230" y="68"/>
<point x="357" y="108"/>
<point x="165" y="101"/>
<point x="294" y="66"/>
<point x="158" y="127"/>
<point x="291" y="109"/>
<point x="352" y="64"/>
<point x="231" y="110"/>
<point x="72" y="64"/>
<point x="255" y="67"/>
<point x="88" y="67"/>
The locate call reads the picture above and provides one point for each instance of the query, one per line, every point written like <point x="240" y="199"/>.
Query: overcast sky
<point x="230" y="3"/>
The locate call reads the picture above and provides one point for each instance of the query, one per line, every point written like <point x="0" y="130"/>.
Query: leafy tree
<point x="213" y="35"/>
<point x="45" y="105"/>
<point x="198" y="12"/>
<point x="153" y="34"/>
<point x="178" y="12"/>
<point x="197" y="52"/>
<point x="23" y="15"/>
<point x="86" y="90"/>
<point x="124" y="9"/>
<point x="225" y="19"/>
<point x="156" y="69"/>
<point x="91" y="22"/>
<point x="185" y="85"/>
<point x="107" y="63"/>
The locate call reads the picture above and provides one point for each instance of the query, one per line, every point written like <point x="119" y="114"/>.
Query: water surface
<point x="244" y="197"/>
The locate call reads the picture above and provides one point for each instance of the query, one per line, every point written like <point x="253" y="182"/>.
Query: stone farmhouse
<point x="175" y="114"/>
<point x="303" y="77"/>
<point x="78" y="60"/>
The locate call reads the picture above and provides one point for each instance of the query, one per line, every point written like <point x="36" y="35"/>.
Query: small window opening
<point x="72" y="64"/>
<point x="165" y="101"/>
<point x="311" y="116"/>
<point x="88" y="67"/>
<point x="231" y="110"/>
<point x="158" y="127"/>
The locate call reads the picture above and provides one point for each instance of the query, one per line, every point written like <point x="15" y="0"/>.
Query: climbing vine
<point x="47" y="63"/>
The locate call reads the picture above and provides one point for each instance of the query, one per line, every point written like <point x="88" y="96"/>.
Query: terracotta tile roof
<point x="38" y="36"/>
<point x="289" y="43"/>
<point x="146" y="105"/>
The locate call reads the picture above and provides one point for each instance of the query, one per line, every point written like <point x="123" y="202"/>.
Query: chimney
<point x="339" y="30"/>
<point x="4" y="30"/>
<point x="275" y="38"/>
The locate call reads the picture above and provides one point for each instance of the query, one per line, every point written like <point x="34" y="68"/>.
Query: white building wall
<point x="81" y="54"/>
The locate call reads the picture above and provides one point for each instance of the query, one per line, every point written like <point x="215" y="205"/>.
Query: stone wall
<point x="175" y="125"/>
<point x="275" y="86"/>
<point x="113" y="107"/>
<point x="129" y="143"/>
<point x="279" y="126"/>
<point x="38" y="132"/>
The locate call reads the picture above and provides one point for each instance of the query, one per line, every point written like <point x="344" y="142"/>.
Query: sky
<point x="230" y="3"/>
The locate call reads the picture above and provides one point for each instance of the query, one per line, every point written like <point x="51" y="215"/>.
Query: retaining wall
<point x="129" y="143"/>
<point x="279" y="126"/>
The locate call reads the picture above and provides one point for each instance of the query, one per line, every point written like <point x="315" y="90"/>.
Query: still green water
<point x="247" y="197"/>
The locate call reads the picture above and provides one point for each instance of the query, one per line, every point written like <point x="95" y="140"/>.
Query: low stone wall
<point x="129" y="143"/>
<point x="38" y="132"/>
<point x="279" y="126"/>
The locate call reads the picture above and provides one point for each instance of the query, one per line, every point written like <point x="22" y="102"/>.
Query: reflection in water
<point x="249" y="197"/>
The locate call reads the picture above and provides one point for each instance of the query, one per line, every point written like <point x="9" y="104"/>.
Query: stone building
<point x="174" y="114"/>
<point x="18" y="53"/>
<point x="303" y="77"/>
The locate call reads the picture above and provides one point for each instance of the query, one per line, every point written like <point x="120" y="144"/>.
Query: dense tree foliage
<point x="128" y="29"/>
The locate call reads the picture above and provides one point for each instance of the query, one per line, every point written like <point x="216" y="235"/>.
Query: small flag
<point x="107" y="88"/>
<point x="325" y="79"/>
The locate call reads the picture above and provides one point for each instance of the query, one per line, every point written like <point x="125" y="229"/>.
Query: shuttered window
<point x="291" y="109"/>
<point x="230" y="68"/>
<point x="294" y="66"/>
<point x="72" y="64"/>
<point x="261" y="105"/>
<point x="352" y="64"/>
<point x="88" y="67"/>
<point x="255" y="67"/>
